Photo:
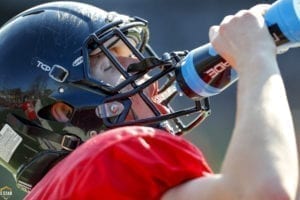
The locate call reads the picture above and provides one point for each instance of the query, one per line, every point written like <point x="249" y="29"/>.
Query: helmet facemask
<point x="146" y="79"/>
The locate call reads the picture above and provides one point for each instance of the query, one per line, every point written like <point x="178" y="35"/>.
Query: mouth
<point x="158" y="100"/>
<point x="141" y="110"/>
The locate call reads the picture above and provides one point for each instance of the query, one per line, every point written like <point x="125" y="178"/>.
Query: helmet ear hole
<point x="45" y="113"/>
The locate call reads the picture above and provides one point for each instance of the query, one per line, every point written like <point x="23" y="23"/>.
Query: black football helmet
<point x="45" y="59"/>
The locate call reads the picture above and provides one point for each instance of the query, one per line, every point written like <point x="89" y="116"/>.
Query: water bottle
<point x="204" y="73"/>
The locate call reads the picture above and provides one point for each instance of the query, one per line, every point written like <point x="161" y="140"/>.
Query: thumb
<point x="213" y="32"/>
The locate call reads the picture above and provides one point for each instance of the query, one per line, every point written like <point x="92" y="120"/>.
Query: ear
<point x="61" y="112"/>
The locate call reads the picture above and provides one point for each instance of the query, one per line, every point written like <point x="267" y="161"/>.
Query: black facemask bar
<point x="166" y="67"/>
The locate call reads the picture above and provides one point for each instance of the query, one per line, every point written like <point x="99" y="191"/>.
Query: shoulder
<point x="124" y="161"/>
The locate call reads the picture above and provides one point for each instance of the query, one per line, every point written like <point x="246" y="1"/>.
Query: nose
<point x="126" y="61"/>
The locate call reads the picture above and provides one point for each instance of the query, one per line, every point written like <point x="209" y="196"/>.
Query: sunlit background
<point x="183" y="25"/>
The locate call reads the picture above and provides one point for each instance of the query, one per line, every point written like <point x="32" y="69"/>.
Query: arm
<point x="261" y="161"/>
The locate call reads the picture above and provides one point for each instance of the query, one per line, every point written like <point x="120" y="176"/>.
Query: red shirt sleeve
<point x="124" y="163"/>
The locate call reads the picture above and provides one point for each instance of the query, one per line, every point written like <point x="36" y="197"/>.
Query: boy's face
<point x="102" y="69"/>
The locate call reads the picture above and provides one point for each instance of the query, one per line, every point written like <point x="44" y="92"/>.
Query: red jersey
<point x="125" y="163"/>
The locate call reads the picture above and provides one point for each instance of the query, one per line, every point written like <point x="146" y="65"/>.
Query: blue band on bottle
<point x="194" y="82"/>
<point x="211" y="50"/>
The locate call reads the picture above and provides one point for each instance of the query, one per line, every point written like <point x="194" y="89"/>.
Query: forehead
<point x="117" y="46"/>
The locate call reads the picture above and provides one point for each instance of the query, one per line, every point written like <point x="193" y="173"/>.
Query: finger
<point x="213" y="32"/>
<point x="241" y="13"/>
<point x="214" y="37"/>
<point x="260" y="9"/>
<point x="227" y="19"/>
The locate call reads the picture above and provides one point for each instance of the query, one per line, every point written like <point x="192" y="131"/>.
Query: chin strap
<point x="67" y="141"/>
<point x="33" y="168"/>
<point x="31" y="173"/>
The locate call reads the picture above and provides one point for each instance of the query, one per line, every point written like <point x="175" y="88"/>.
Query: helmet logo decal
<point x="56" y="72"/>
<point x="43" y="66"/>
<point x="78" y="61"/>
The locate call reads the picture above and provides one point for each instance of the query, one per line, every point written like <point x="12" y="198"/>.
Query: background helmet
<point x="44" y="59"/>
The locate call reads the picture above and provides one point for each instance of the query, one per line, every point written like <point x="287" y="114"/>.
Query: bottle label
<point x="213" y="70"/>
<point x="9" y="141"/>
<point x="277" y="35"/>
<point x="205" y="73"/>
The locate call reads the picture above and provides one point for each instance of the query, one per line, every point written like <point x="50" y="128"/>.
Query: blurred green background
<point x="181" y="25"/>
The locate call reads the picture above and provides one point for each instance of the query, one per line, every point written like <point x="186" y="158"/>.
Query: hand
<point x="243" y="36"/>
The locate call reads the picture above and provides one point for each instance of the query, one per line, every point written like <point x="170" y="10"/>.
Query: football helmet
<point x="45" y="59"/>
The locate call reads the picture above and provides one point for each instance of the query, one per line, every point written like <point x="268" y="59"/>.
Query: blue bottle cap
<point x="286" y="14"/>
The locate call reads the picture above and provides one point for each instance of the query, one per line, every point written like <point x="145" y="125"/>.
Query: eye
<point x="108" y="68"/>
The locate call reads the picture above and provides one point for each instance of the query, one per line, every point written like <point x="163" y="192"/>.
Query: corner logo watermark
<point x="6" y="192"/>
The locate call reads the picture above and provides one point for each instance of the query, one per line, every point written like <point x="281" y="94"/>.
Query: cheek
<point x="96" y="73"/>
<point x="111" y="76"/>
